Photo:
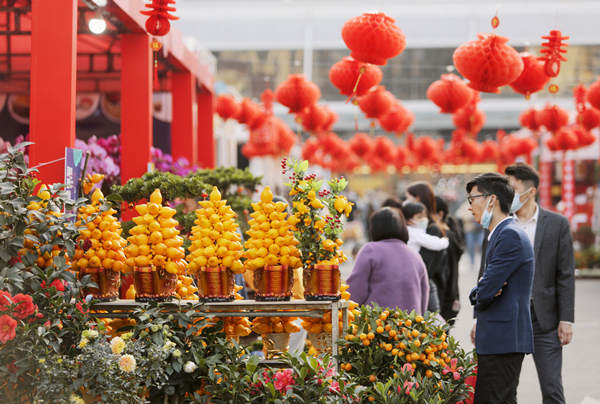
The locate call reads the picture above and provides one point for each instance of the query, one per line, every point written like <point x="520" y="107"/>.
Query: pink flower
<point x="453" y="369"/>
<point x="408" y="386"/>
<point x="5" y="300"/>
<point x="8" y="325"/>
<point x="335" y="387"/>
<point x="283" y="380"/>
<point x="24" y="306"/>
<point x="408" y="368"/>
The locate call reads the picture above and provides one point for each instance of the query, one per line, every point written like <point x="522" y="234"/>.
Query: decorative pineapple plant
<point x="100" y="248"/>
<point x="271" y="251"/>
<point x="317" y="229"/>
<point x="185" y="288"/>
<point x="155" y="250"/>
<point x="216" y="249"/>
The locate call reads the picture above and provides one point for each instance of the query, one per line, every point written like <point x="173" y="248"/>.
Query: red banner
<point x="545" y="189"/>
<point x="568" y="187"/>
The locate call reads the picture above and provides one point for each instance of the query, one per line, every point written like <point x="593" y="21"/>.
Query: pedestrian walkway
<point x="581" y="358"/>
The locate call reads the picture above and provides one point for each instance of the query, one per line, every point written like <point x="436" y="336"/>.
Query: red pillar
<point x="184" y="123"/>
<point x="136" y="105"/>
<point x="206" y="141"/>
<point x="53" y="70"/>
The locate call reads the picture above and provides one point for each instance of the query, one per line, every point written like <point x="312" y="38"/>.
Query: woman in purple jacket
<point x="386" y="271"/>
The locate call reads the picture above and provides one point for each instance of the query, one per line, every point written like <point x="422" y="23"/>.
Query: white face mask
<point x="421" y="223"/>
<point x="517" y="203"/>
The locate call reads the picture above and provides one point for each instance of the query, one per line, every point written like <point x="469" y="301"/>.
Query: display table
<point x="240" y="308"/>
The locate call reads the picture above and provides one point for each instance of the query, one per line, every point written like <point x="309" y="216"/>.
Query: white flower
<point x="176" y="353"/>
<point x="168" y="346"/>
<point x="75" y="399"/>
<point x="117" y="345"/>
<point x="189" y="367"/>
<point x="89" y="334"/>
<point x="127" y="363"/>
<point x="155" y="327"/>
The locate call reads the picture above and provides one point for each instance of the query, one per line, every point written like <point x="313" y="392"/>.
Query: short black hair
<point x="441" y="206"/>
<point x="410" y="209"/>
<point x="523" y="172"/>
<point x="392" y="202"/>
<point x="494" y="184"/>
<point x="387" y="223"/>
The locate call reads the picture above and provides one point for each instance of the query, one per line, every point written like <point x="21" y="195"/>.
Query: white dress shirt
<point x="529" y="225"/>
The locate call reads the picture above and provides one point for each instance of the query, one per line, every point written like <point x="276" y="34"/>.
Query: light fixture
<point x="100" y="3"/>
<point x="97" y="25"/>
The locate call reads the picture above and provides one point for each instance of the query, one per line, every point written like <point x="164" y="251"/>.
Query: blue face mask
<point x="486" y="217"/>
<point x="516" y="203"/>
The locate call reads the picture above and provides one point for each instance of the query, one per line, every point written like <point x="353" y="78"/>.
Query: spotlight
<point x="97" y="25"/>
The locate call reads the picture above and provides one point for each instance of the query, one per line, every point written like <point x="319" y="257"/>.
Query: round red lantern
<point x="249" y="111"/>
<point x="449" y="93"/>
<point x="488" y="63"/>
<point x="226" y="106"/>
<point x="533" y="78"/>
<point x="553" y="117"/>
<point x="589" y="118"/>
<point x="361" y="144"/>
<point x="297" y="93"/>
<point x="332" y="118"/>
<point x="489" y="151"/>
<point x="468" y="119"/>
<point x="384" y="148"/>
<point x="397" y="120"/>
<point x="310" y="148"/>
<point x="373" y="38"/>
<point x="593" y="95"/>
<point x="530" y="119"/>
<point x="376" y="102"/>
<point x="313" y="118"/>
<point x="566" y="139"/>
<point x="354" y="78"/>
<point x="584" y="137"/>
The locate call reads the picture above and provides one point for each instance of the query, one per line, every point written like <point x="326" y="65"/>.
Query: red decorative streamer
<point x="552" y="51"/>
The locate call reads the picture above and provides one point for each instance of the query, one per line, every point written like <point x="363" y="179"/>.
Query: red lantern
<point x="313" y="118"/>
<point x="249" y="111"/>
<point x="530" y="119"/>
<point x="361" y="144"/>
<point x="449" y="93"/>
<point x="310" y="148"/>
<point x="552" y="51"/>
<point x="384" y="148"/>
<point x="373" y="38"/>
<point x="468" y="119"/>
<point x="159" y="15"/>
<point x="354" y="78"/>
<point x="297" y="93"/>
<point x="589" y="118"/>
<point x="489" y="151"/>
<point x="553" y="117"/>
<point x="226" y="107"/>
<point x="533" y="78"/>
<point x="376" y="102"/>
<point x="566" y="139"/>
<point x="249" y="150"/>
<point x="593" y="95"/>
<point x="584" y="138"/>
<point x="488" y="62"/>
<point x="332" y="118"/>
<point x="397" y="120"/>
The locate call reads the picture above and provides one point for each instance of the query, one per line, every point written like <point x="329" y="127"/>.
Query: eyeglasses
<point x="471" y="197"/>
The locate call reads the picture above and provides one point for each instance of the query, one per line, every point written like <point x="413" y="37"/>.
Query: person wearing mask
<point x="416" y="221"/>
<point x="450" y="300"/>
<point x="435" y="261"/>
<point x="377" y="276"/>
<point x="553" y="300"/>
<point x="503" y="333"/>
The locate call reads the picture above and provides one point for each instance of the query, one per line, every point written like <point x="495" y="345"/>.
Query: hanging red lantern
<point x="589" y="118"/>
<point x="354" y="78"/>
<point x="297" y="93"/>
<point x="584" y="137"/>
<point x="361" y="144"/>
<point x="566" y="139"/>
<point x="470" y="120"/>
<point x="488" y="63"/>
<point x="384" y="148"/>
<point x="249" y="111"/>
<point x="489" y="151"/>
<point x="553" y="117"/>
<point x="226" y="107"/>
<point x="552" y="143"/>
<point x="449" y="93"/>
<point x="593" y="95"/>
<point x="159" y="15"/>
<point x="332" y="118"/>
<point x="552" y="51"/>
<point x="530" y="119"/>
<point x="249" y="150"/>
<point x="313" y="118"/>
<point x="310" y="148"/>
<point x="397" y="120"/>
<point x="373" y="38"/>
<point x="533" y="78"/>
<point x="376" y="102"/>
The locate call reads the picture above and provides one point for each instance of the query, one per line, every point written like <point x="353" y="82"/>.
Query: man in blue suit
<point x="504" y="333"/>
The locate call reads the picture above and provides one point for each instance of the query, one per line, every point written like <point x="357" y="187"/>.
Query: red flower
<point x="79" y="307"/>
<point x="58" y="284"/>
<point x="5" y="300"/>
<point x="8" y="326"/>
<point x="11" y="367"/>
<point x="24" y="306"/>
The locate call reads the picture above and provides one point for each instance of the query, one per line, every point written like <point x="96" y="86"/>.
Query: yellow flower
<point x="319" y="224"/>
<point x="75" y="399"/>
<point x="340" y="203"/>
<point x="127" y="363"/>
<point x="117" y="345"/>
<point x="83" y="343"/>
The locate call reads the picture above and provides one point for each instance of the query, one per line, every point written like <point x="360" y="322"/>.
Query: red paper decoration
<point x="310" y="148"/>
<point x="489" y="151"/>
<point x="553" y="117"/>
<point x="332" y="118"/>
<point x="589" y="118"/>
<point x="361" y="144"/>
<point x="397" y="119"/>
<point x="376" y="102"/>
<point x="384" y="148"/>
<point x="297" y="93"/>
<point x="313" y="118"/>
<point x="373" y="38"/>
<point x="593" y="95"/>
<point x="249" y="112"/>
<point x="564" y="139"/>
<point x="530" y="119"/>
<point x="159" y="15"/>
<point x="488" y="62"/>
<point x="449" y="93"/>
<point x="226" y="107"/>
<point x="533" y="78"/>
<point x="354" y="78"/>
<point x="469" y="119"/>
<point x="552" y="51"/>
<point x="584" y="137"/>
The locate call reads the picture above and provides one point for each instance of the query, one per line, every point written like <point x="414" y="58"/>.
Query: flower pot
<point x="108" y="282"/>
<point x="321" y="282"/>
<point x="215" y="284"/>
<point x="153" y="284"/>
<point x="275" y="344"/>
<point x="321" y="341"/>
<point x="273" y="283"/>
<point x="126" y="282"/>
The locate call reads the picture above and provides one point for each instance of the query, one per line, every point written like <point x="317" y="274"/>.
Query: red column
<point x="184" y="123"/>
<point x="206" y="141"/>
<point x="136" y="105"/>
<point x="53" y="70"/>
<point x="568" y="186"/>
<point x="545" y="188"/>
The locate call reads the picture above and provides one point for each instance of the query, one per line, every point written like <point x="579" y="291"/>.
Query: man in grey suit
<point x="553" y="298"/>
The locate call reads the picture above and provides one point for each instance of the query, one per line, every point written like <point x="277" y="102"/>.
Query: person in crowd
<point x="503" y="333"/>
<point x="434" y="260"/>
<point x="472" y="231"/>
<point x="416" y="221"/>
<point x="553" y="302"/>
<point x="386" y="271"/>
<point x="392" y="202"/>
<point x="449" y="297"/>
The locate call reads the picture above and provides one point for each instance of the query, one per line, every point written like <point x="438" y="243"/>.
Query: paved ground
<point x="581" y="358"/>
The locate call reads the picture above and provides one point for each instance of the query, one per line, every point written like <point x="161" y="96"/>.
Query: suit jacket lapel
<point x="537" y="240"/>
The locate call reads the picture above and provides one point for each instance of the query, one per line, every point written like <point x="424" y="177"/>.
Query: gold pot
<point x="108" y="282"/>
<point x="273" y="283"/>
